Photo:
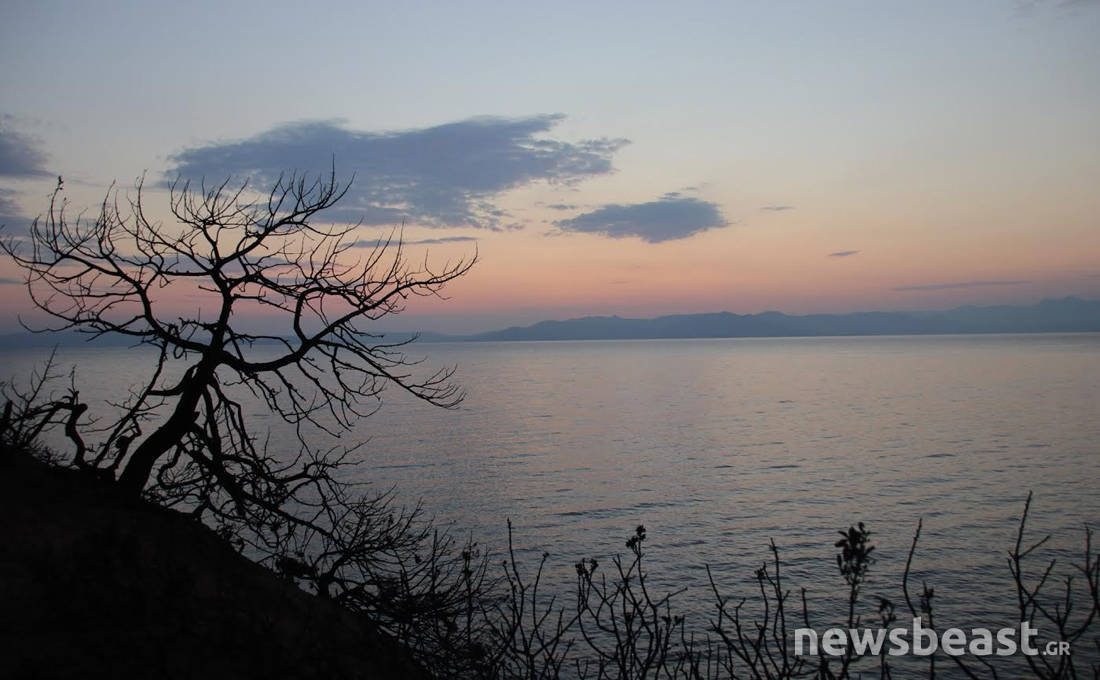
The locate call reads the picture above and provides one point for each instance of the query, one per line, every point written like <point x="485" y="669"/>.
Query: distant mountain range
<point x="1065" y="315"/>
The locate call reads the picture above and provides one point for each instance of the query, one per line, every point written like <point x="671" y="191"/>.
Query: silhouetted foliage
<point x="620" y="628"/>
<point x="30" y="411"/>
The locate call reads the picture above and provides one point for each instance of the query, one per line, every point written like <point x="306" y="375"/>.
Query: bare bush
<point x="184" y="437"/>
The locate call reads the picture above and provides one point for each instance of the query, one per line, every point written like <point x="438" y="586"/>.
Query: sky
<point x="634" y="158"/>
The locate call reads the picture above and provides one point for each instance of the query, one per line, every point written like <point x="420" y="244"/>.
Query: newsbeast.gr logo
<point x="921" y="641"/>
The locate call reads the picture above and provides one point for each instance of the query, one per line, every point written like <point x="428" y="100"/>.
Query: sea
<point x="719" y="447"/>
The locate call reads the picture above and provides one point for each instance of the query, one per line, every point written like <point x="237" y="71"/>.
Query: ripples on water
<point x="717" y="446"/>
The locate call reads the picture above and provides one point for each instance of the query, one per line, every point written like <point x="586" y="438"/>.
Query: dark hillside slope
<point x="93" y="584"/>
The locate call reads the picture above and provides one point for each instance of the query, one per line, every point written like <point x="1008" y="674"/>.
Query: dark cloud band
<point x="446" y="175"/>
<point x="665" y="220"/>
<point x="19" y="154"/>
<point x="10" y="215"/>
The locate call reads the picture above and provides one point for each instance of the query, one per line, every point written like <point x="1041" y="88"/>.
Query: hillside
<point x="94" y="584"/>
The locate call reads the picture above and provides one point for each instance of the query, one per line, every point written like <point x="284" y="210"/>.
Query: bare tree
<point x="243" y="256"/>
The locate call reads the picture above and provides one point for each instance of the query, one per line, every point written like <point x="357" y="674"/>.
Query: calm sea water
<point x="718" y="446"/>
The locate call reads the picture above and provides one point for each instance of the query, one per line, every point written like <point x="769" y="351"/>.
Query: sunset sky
<point x="604" y="158"/>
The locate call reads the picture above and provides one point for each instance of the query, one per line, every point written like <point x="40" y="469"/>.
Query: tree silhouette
<point x="243" y="256"/>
